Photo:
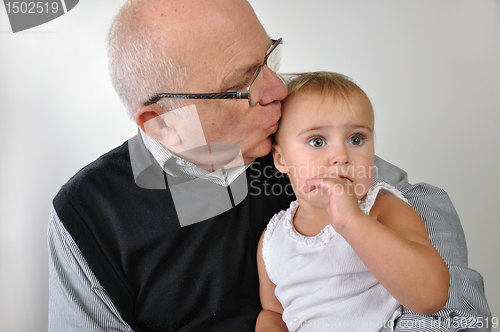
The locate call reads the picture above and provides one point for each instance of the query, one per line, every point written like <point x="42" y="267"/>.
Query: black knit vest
<point x="161" y="276"/>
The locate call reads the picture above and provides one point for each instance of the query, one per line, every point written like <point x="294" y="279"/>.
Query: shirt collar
<point x="176" y="166"/>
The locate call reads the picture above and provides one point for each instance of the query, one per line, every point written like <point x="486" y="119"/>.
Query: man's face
<point x="225" y="61"/>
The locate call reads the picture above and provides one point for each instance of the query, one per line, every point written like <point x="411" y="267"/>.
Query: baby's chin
<point x="320" y="198"/>
<point x="317" y="198"/>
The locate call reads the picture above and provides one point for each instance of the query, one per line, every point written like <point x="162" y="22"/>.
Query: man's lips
<point x="275" y="114"/>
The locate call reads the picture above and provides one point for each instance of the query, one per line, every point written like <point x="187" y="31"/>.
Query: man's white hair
<point x="140" y="63"/>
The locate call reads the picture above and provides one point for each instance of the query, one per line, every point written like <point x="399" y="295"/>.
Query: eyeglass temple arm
<point x="220" y="95"/>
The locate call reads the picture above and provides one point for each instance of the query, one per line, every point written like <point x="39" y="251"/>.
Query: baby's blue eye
<point x="356" y="140"/>
<point x="317" y="142"/>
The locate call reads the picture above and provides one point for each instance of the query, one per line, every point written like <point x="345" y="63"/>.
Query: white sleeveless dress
<point x="320" y="281"/>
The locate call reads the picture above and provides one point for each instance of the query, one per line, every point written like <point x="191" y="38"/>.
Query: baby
<point x="346" y="255"/>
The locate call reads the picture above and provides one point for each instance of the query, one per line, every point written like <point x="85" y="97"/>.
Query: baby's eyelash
<point x="360" y="135"/>
<point x="318" y="138"/>
<point x="357" y="136"/>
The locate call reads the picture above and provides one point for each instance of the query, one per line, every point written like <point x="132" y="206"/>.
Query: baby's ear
<point x="279" y="161"/>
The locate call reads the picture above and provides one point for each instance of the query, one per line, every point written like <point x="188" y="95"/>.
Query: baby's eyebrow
<point x="360" y="126"/>
<point x="318" y="128"/>
<point x="311" y="129"/>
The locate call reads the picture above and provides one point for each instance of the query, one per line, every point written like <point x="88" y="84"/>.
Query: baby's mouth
<point x="335" y="174"/>
<point x="345" y="177"/>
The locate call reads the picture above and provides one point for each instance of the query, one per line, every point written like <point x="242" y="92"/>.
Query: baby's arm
<point x="270" y="317"/>
<point x="408" y="265"/>
<point x="393" y="243"/>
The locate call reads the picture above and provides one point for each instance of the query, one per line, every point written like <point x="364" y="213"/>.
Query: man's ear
<point x="279" y="161"/>
<point x="152" y="122"/>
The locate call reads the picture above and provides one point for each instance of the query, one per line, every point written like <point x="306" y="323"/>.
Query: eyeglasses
<point x="254" y="90"/>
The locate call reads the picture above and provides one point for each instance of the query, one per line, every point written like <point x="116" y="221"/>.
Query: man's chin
<point x="260" y="150"/>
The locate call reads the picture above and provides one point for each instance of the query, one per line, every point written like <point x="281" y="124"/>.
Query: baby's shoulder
<point x="279" y="218"/>
<point x="382" y="196"/>
<point x="387" y="202"/>
<point x="381" y="189"/>
<point x="388" y="209"/>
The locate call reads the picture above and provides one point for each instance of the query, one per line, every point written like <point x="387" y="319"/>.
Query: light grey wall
<point x="431" y="68"/>
<point x="59" y="112"/>
<point x="432" y="71"/>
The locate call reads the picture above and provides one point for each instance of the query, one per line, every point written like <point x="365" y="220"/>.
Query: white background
<point x="430" y="67"/>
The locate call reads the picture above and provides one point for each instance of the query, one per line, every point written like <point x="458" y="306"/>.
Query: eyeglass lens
<point x="256" y="88"/>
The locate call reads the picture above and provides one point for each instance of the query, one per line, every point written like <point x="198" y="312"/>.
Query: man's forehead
<point x="228" y="58"/>
<point x="249" y="61"/>
<point x="221" y="37"/>
<point x="192" y="17"/>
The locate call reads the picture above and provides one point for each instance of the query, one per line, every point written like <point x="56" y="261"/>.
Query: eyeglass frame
<point x="221" y="95"/>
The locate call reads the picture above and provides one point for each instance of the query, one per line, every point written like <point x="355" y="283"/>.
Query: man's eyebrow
<point x="254" y="66"/>
<point x="244" y="72"/>
<point x="240" y="73"/>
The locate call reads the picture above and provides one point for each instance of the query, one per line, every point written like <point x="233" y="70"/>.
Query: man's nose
<point x="274" y="88"/>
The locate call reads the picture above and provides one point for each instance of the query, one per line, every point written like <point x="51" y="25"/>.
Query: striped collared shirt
<point x="77" y="301"/>
<point x="178" y="167"/>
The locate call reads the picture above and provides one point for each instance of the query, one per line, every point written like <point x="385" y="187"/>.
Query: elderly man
<point x="127" y="254"/>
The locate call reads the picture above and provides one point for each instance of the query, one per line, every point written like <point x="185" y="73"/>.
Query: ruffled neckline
<point x="327" y="233"/>
<point x="320" y="239"/>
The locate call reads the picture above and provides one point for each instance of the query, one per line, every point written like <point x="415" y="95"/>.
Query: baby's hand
<point x="343" y="203"/>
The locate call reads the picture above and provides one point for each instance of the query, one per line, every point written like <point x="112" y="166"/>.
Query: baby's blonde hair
<point x="336" y="85"/>
<point x="327" y="83"/>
